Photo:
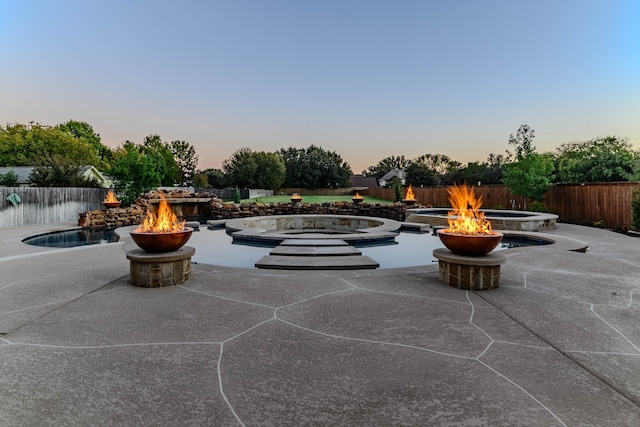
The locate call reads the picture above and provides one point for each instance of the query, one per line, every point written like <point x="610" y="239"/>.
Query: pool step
<point x="315" y="251"/>
<point x="314" y="242"/>
<point x="316" y="254"/>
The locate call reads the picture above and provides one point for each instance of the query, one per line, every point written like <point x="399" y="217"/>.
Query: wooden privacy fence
<point x="606" y="204"/>
<point x="43" y="205"/>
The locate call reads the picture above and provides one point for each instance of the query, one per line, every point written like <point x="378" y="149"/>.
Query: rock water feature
<point x="161" y="259"/>
<point x="468" y="262"/>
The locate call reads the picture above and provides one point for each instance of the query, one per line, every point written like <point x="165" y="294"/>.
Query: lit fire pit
<point x="295" y="198"/>
<point x="161" y="232"/>
<point x="409" y="198"/>
<point x="111" y="201"/>
<point x="161" y="259"/>
<point x="357" y="199"/>
<point x="469" y="232"/>
<point x="469" y="263"/>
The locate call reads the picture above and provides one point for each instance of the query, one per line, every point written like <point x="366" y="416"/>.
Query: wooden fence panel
<point x="605" y="204"/>
<point x="43" y="205"/>
<point x="608" y="204"/>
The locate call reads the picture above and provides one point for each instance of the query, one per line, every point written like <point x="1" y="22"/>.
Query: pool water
<point x="214" y="246"/>
<point x="412" y="249"/>
<point x="72" y="238"/>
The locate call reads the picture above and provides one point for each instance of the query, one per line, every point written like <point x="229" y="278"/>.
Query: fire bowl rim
<point x="111" y="204"/>
<point x="144" y="240"/>
<point x="481" y="244"/>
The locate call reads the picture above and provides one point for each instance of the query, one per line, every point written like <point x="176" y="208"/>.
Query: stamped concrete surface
<point x="558" y="343"/>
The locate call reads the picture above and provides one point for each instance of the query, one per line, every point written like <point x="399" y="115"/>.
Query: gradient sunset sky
<point x="367" y="79"/>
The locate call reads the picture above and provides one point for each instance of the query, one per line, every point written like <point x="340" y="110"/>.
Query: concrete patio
<point x="558" y="343"/>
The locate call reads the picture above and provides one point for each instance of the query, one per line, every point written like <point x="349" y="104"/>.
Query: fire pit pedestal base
<point x="468" y="272"/>
<point x="153" y="270"/>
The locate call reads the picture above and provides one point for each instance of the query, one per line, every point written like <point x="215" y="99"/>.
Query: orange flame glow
<point x="111" y="197"/>
<point x="161" y="220"/>
<point x="357" y="196"/>
<point x="409" y="195"/>
<point x="466" y="217"/>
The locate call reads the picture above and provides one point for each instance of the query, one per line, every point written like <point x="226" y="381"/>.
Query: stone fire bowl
<point x="168" y="241"/>
<point x="111" y="204"/>
<point x="470" y="245"/>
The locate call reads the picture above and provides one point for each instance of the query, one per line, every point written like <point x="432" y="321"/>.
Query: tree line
<point x="57" y="153"/>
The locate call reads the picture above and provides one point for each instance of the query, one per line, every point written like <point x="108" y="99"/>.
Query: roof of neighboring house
<point x="362" y="182"/>
<point x="395" y="172"/>
<point x="87" y="171"/>
<point x="22" y="172"/>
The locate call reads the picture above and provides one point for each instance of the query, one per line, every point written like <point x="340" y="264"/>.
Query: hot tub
<point x="500" y="219"/>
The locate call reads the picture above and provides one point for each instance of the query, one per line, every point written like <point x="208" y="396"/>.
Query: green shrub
<point x="635" y="209"/>
<point x="397" y="191"/>
<point x="538" y="207"/>
<point x="10" y="179"/>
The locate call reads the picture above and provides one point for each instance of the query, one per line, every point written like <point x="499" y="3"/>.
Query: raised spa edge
<point x="501" y="219"/>
<point x="271" y="230"/>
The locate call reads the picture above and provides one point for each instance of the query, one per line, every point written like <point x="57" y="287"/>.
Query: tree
<point x="271" y="171"/>
<point x="250" y="169"/>
<point x="430" y="169"/>
<point x="54" y="170"/>
<point x="135" y="172"/>
<point x="385" y="165"/>
<point x="83" y="130"/>
<point x="496" y="164"/>
<point x="200" y="180"/>
<point x="488" y="172"/>
<point x="185" y="157"/>
<point x="314" y="167"/>
<point x="25" y="145"/>
<point x="597" y="160"/>
<point x="532" y="173"/>
<point x="419" y="174"/>
<point x="530" y="177"/>
<point x="473" y="172"/>
<point x="215" y="178"/>
<point x="522" y="142"/>
<point x="160" y="153"/>
<point x="240" y="169"/>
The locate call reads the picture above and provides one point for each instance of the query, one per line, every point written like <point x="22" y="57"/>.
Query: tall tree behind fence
<point x="608" y="204"/>
<point x="43" y="205"/>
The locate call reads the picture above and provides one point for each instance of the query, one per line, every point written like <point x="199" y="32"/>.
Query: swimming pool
<point x="73" y="238"/>
<point x="214" y="246"/>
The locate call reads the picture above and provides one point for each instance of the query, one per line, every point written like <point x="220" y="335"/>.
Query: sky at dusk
<point x="365" y="78"/>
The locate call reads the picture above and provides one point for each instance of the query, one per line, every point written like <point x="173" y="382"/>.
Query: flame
<point x="161" y="220"/>
<point x="409" y="195"/>
<point x="111" y="197"/>
<point x="357" y="196"/>
<point x="466" y="217"/>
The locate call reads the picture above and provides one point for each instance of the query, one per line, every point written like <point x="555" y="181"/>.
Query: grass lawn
<point x="316" y="199"/>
